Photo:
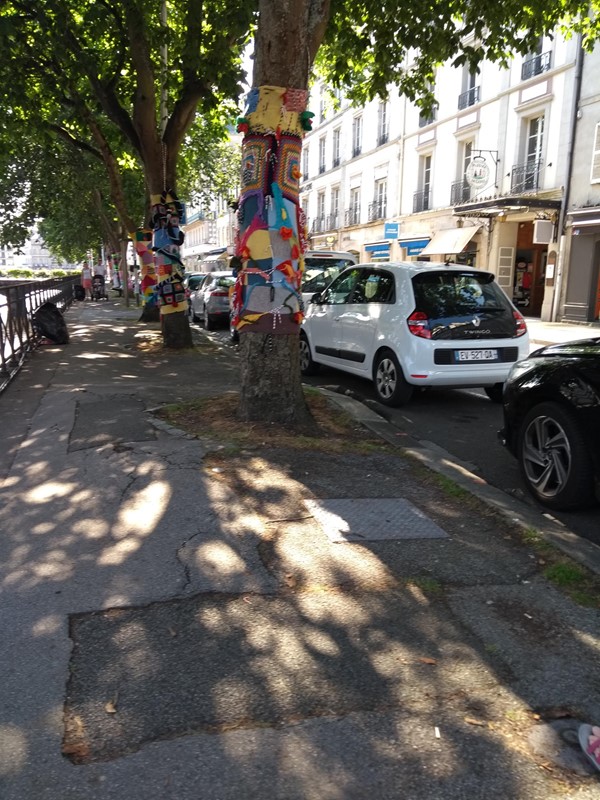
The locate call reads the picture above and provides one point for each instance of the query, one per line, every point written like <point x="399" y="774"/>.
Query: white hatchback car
<point x="404" y="325"/>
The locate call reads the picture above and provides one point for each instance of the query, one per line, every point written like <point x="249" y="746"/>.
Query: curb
<point x="581" y="550"/>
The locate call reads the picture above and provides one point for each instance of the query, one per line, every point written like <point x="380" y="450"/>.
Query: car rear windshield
<point x="457" y="294"/>
<point x="222" y="283"/>
<point x="326" y="262"/>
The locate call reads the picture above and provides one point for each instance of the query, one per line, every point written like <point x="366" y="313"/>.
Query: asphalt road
<point x="462" y="422"/>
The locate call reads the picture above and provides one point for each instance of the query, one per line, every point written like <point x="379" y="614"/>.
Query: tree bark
<point x="266" y="300"/>
<point x="270" y="378"/>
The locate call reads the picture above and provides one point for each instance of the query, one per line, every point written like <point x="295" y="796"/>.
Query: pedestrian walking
<point x="86" y="280"/>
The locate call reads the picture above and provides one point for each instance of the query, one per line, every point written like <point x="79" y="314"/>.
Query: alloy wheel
<point x="546" y="456"/>
<point x="386" y="378"/>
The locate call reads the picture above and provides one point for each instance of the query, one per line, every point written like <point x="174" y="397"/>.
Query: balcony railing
<point x="421" y="201"/>
<point x="319" y="224"/>
<point x="333" y="222"/>
<point x="535" y="65"/>
<point x="460" y="192"/>
<point x="377" y="210"/>
<point x="468" y="98"/>
<point x="322" y="167"/>
<point x="356" y="150"/>
<point x="336" y="162"/>
<point x="525" y="177"/>
<point x="353" y="216"/>
<point x="382" y="138"/>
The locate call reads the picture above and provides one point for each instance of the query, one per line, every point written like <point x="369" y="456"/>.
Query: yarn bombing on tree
<point x="167" y="238"/>
<point x="271" y="233"/>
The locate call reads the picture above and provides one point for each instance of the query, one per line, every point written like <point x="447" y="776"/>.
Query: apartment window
<point x="335" y="208"/>
<point x="427" y="119"/>
<point x="322" y="107"/>
<point x="536" y="62"/>
<point x="470" y="92"/>
<point x="337" y="133"/>
<point x="595" y="173"/>
<point x="356" y="136"/>
<point x="353" y="213"/>
<point x="322" y="155"/>
<point x="382" y="123"/>
<point x="461" y="190"/>
<point x="305" y="151"/>
<point x="378" y="208"/>
<point x="525" y="176"/>
<point x="422" y="198"/>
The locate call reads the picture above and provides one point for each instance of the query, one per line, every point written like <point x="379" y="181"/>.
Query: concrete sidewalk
<point x="543" y="333"/>
<point x="182" y="620"/>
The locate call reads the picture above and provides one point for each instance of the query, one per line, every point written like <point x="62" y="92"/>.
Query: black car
<point x="552" y="423"/>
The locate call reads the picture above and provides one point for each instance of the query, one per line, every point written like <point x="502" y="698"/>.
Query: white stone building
<point x="479" y="183"/>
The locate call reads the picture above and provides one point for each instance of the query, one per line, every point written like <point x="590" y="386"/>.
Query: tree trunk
<point x="267" y="305"/>
<point x="270" y="377"/>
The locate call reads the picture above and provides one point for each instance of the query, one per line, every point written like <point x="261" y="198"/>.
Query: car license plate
<point x="476" y="355"/>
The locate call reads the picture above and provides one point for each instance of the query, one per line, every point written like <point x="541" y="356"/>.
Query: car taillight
<point x="418" y="324"/>
<point x="219" y="294"/>
<point x="521" y="325"/>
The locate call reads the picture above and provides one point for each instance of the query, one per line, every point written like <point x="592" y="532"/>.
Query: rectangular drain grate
<point x="372" y="520"/>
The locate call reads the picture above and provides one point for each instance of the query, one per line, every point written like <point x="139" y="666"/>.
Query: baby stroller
<point x="99" y="288"/>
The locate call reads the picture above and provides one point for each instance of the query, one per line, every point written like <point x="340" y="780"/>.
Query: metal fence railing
<point x="18" y="303"/>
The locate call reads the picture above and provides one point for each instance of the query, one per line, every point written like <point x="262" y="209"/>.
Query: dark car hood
<point x="586" y="348"/>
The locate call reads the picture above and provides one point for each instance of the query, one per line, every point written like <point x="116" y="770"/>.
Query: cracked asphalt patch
<point x="219" y="662"/>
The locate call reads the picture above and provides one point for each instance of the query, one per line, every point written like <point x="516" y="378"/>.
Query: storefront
<point x="582" y="295"/>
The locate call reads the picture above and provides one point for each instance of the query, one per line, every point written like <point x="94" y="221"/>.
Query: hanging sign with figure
<point x="477" y="173"/>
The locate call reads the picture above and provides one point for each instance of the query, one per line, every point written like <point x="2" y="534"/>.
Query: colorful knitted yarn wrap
<point x="271" y="233"/>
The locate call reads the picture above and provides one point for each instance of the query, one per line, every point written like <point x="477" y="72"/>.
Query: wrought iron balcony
<point x="322" y="168"/>
<point x="333" y="222"/>
<point x="421" y="201"/>
<point x="336" y="162"/>
<point x="356" y="150"/>
<point x="525" y="177"/>
<point x="382" y="138"/>
<point x="377" y="210"/>
<point x="535" y="65"/>
<point x="460" y="192"/>
<point x="468" y="98"/>
<point x="353" y="216"/>
<point x="318" y="224"/>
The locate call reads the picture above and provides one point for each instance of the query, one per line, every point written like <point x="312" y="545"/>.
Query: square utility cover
<point x="372" y="520"/>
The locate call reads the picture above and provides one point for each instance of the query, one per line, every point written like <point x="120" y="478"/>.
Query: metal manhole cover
<point x="371" y="520"/>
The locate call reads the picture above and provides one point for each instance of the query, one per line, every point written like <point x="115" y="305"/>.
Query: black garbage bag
<point x="79" y="292"/>
<point x="49" y="322"/>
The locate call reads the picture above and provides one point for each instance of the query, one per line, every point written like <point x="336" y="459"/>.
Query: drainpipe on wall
<point x="565" y="203"/>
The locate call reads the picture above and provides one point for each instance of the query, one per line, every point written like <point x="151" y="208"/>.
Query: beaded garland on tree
<point x="271" y="234"/>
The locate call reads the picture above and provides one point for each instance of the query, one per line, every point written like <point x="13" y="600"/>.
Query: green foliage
<point x="370" y="45"/>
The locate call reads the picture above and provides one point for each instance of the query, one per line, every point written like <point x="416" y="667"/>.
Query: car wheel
<point x="193" y="315"/>
<point x="494" y="392"/>
<point x="307" y="365"/>
<point x="209" y="325"/>
<point x="390" y="385"/>
<point x="554" y="460"/>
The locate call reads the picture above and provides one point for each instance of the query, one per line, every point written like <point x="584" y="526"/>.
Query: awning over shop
<point x="453" y="240"/>
<point x="378" y="249"/>
<point x="414" y="246"/>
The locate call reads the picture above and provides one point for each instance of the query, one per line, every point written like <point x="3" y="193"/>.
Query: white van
<point x="321" y="267"/>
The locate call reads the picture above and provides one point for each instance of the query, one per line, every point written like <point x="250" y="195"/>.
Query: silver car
<point x="210" y="303"/>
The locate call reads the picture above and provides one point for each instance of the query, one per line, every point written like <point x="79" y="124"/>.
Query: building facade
<point x="480" y="181"/>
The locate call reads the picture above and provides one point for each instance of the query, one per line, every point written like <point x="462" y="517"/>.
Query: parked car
<point x="191" y="282"/>
<point x="210" y="302"/>
<point x="552" y="422"/>
<point x="405" y="325"/>
<point x="321" y="267"/>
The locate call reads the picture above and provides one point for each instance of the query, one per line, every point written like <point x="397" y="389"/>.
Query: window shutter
<point x="595" y="175"/>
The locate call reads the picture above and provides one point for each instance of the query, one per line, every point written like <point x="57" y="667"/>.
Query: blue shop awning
<point x="414" y="246"/>
<point x="378" y="249"/>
